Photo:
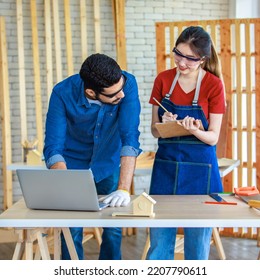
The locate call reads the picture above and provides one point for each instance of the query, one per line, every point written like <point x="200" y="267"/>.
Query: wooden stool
<point x="25" y="244"/>
<point x="41" y="243"/>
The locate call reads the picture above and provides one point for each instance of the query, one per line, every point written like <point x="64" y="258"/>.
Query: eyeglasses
<point x="114" y="94"/>
<point x="191" y="60"/>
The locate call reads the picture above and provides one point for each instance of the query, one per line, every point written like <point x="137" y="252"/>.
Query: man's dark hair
<point x="100" y="71"/>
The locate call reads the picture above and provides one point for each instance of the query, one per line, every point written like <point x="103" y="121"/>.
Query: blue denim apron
<point x="183" y="165"/>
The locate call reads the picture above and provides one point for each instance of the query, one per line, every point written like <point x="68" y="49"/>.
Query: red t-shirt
<point x="211" y="96"/>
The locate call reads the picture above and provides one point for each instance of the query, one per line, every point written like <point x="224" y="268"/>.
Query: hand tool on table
<point x="219" y="200"/>
<point x="250" y="195"/>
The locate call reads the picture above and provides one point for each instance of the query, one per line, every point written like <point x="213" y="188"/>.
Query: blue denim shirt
<point x="88" y="135"/>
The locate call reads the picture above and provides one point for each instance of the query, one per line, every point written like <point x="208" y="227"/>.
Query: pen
<point x="160" y="104"/>
<point x="216" y="202"/>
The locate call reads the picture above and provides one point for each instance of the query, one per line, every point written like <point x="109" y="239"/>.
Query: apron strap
<point x="168" y="95"/>
<point x="197" y="91"/>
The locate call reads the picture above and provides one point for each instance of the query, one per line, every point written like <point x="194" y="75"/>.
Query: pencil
<point x="219" y="202"/>
<point x="160" y="104"/>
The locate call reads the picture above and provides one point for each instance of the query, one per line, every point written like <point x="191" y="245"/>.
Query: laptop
<point x="56" y="189"/>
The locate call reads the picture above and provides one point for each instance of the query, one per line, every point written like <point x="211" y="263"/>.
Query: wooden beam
<point x="21" y="70"/>
<point x="83" y="30"/>
<point x="119" y="23"/>
<point x="37" y="81"/>
<point x="97" y="25"/>
<point x="257" y="89"/>
<point x="56" y="25"/>
<point x="239" y="100"/>
<point x="48" y="42"/>
<point x="160" y="48"/>
<point x="5" y="118"/>
<point x="68" y="37"/>
<point x="249" y="104"/>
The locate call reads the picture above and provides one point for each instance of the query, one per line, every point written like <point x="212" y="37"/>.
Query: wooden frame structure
<point x="54" y="57"/>
<point x="54" y="61"/>
<point x="237" y="42"/>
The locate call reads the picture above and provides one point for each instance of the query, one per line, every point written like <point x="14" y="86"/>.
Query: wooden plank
<point x="225" y="40"/>
<point x="56" y="25"/>
<point x="213" y="33"/>
<point x="37" y="82"/>
<point x="5" y="118"/>
<point x="48" y="42"/>
<point x="97" y="25"/>
<point x="69" y="51"/>
<point x="119" y="20"/>
<point x="249" y="104"/>
<point x="160" y="48"/>
<point x="239" y="106"/>
<point x="172" y="44"/>
<point x="83" y="30"/>
<point x="257" y="90"/>
<point x="21" y="70"/>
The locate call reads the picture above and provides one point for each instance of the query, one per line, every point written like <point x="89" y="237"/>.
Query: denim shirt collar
<point x="82" y="100"/>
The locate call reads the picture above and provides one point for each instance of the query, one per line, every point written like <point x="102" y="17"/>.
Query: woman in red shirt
<point x="192" y="93"/>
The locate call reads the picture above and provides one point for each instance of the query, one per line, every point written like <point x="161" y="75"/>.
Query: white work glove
<point x="117" y="198"/>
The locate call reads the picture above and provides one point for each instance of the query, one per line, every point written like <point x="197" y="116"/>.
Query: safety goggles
<point x="115" y="93"/>
<point x="190" y="60"/>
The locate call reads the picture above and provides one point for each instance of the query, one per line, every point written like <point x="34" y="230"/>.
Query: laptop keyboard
<point x="103" y="205"/>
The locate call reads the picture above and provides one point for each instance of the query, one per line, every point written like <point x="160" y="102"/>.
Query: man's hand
<point x="117" y="198"/>
<point x="59" y="165"/>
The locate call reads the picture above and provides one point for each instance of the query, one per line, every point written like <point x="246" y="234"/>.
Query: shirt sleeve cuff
<point x="52" y="160"/>
<point x="129" y="151"/>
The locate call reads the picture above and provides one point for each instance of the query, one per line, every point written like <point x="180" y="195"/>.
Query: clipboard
<point x="173" y="129"/>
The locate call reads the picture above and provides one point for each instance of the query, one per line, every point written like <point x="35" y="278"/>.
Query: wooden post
<point x="68" y="37"/>
<point x="48" y="40"/>
<point x="257" y="97"/>
<point x="22" y="88"/>
<point x="160" y="48"/>
<point x="5" y="118"/>
<point x="119" y="23"/>
<point x="83" y="30"/>
<point x="37" y="80"/>
<point x="56" y="26"/>
<point x="97" y="25"/>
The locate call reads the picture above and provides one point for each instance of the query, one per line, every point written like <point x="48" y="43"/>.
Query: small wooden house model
<point x="34" y="157"/>
<point x="143" y="205"/>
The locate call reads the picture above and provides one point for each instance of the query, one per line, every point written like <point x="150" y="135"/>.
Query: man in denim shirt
<point x="92" y="123"/>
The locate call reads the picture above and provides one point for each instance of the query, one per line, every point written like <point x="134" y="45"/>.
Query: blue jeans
<point x="111" y="237"/>
<point x="196" y="243"/>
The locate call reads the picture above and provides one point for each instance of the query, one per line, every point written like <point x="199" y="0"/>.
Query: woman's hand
<point x="190" y="123"/>
<point x="169" y="117"/>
